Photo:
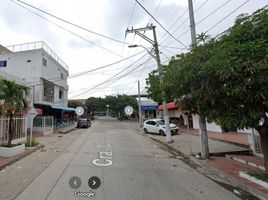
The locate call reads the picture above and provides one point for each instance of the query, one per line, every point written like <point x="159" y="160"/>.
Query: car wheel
<point x="145" y="131"/>
<point x="161" y="132"/>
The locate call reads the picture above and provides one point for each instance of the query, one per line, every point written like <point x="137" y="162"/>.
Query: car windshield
<point x="160" y="122"/>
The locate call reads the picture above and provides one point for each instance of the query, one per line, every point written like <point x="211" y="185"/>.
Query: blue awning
<point x="65" y="109"/>
<point x="149" y="107"/>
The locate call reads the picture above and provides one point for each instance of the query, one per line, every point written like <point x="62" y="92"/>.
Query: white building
<point x="36" y="66"/>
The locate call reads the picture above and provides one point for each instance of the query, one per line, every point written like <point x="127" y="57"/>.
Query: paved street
<point x="128" y="165"/>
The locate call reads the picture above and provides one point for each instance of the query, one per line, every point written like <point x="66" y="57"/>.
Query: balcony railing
<point x="37" y="45"/>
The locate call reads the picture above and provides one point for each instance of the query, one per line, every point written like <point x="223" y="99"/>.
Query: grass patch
<point x="34" y="142"/>
<point x="259" y="175"/>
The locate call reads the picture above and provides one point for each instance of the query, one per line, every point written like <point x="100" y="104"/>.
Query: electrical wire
<point x="56" y="79"/>
<point x="71" y="23"/>
<point x="214" y="11"/>
<point x="110" y="79"/>
<point x="185" y="11"/>
<point x="160" y="24"/>
<point x="228" y="15"/>
<point x="67" y="30"/>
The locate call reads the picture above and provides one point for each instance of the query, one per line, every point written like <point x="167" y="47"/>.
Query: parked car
<point x="83" y="123"/>
<point x="158" y="126"/>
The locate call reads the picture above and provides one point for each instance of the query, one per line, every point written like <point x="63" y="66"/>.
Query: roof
<point x="170" y="106"/>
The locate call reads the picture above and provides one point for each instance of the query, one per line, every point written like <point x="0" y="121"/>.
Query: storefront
<point x="149" y="109"/>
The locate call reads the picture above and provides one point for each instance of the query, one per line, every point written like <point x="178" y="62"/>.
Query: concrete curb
<point x="212" y="173"/>
<point x="39" y="146"/>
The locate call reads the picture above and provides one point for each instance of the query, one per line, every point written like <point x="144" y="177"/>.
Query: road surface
<point x="128" y="165"/>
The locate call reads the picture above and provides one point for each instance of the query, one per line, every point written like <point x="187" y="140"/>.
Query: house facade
<point x="38" y="67"/>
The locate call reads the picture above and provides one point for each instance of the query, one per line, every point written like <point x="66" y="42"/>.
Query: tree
<point x="74" y="103"/>
<point x="238" y="83"/>
<point x="14" y="96"/>
<point x="154" y="88"/>
<point x="118" y="103"/>
<point x="96" y="104"/>
<point x="227" y="77"/>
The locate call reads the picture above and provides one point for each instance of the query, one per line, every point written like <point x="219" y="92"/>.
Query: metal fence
<point x="43" y="124"/>
<point x="63" y="123"/>
<point x="19" y="128"/>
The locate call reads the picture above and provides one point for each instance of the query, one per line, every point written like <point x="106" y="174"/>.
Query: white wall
<point x="210" y="126"/>
<point x="28" y="66"/>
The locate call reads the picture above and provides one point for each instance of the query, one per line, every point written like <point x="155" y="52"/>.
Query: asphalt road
<point x="129" y="166"/>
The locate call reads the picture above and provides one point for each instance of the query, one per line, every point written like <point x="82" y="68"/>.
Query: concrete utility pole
<point x="157" y="58"/>
<point x="139" y="93"/>
<point x="201" y="119"/>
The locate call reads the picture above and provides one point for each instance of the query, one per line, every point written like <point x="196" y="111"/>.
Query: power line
<point x="67" y="30"/>
<point x="204" y="3"/>
<point x="112" y="78"/>
<point x="57" y="79"/>
<point x="209" y="16"/>
<point x="71" y="23"/>
<point x="155" y="10"/>
<point x="160" y="24"/>
<point x="185" y="11"/>
<point x="203" y="19"/>
<point x="227" y="16"/>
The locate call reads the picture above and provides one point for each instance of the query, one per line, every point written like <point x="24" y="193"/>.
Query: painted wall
<point x="210" y="126"/>
<point x="28" y="66"/>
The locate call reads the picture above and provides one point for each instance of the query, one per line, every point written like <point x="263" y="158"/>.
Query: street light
<point x="149" y="52"/>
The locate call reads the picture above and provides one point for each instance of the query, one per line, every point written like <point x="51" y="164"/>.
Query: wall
<point x="28" y="66"/>
<point x="210" y="126"/>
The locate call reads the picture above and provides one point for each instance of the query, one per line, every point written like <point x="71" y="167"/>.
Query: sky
<point x="82" y="50"/>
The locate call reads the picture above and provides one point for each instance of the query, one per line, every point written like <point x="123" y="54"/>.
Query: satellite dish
<point x="128" y="110"/>
<point x="79" y="111"/>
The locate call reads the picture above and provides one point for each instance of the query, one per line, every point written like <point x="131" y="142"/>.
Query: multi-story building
<point x="36" y="66"/>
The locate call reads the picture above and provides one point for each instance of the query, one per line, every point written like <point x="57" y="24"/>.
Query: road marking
<point x="104" y="157"/>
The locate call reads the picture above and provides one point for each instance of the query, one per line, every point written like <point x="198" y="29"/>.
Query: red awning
<point x="170" y="106"/>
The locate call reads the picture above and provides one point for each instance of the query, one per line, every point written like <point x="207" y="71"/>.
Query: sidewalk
<point x="226" y="167"/>
<point x="5" y="161"/>
<point x="231" y="137"/>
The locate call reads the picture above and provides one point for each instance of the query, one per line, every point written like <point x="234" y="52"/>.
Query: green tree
<point x="154" y="88"/>
<point x="118" y="103"/>
<point x="227" y="78"/>
<point x="74" y="103"/>
<point x="238" y="77"/>
<point x="14" y="96"/>
<point x="96" y="104"/>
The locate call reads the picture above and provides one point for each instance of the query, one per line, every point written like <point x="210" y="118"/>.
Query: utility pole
<point x="201" y="119"/>
<point x="166" y="117"/>
<point x="157" y="58"/>
<point x="139" y="93"/>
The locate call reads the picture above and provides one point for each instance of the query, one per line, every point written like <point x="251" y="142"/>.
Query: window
<point x="3" y="63"/>
<point x="44" y="62"/>
<point x="60" y="94"/>
<point x="61" y="75"/>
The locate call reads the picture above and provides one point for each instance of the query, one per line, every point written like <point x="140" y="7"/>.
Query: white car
<point x="158" y="126"/>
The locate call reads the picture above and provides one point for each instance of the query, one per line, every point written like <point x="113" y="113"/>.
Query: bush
<point x="34" y="142"/>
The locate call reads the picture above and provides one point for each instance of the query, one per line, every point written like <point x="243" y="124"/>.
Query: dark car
<point x="83" y="123"/>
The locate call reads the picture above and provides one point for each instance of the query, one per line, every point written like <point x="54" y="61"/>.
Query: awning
<point x="149" y="107"/>
<point x="170" y="106"/>
<point x="65" y="109"/>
